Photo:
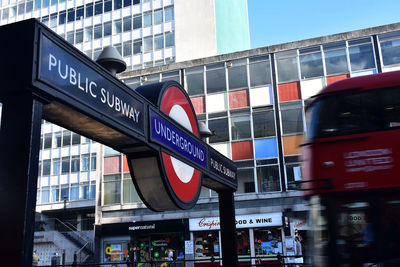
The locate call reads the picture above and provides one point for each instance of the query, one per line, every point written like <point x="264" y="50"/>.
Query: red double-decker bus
<point x="351" y="172"/>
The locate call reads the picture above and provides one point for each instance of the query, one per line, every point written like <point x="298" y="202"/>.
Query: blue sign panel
<point x="70" y="76"/>
<point x="166" y="134"/>
<point x="222" y="167"/>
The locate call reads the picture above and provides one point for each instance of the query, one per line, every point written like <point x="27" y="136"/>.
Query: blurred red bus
<point x="351" y="172"/>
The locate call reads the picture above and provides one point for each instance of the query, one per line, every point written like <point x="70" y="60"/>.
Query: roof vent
<point x="111" y="60"/>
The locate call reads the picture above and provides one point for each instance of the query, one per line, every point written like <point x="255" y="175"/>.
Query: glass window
<point x="97" y="52"/>
<point x="220" y="129"/>
<point x="5" y="13"/>
<point x="79" y="36"/>
<point x="169" y="39"/>
<point x="127" y="48"/>
<point x="173" y="75"/>
<point x="46" y="167"/>
<point x="57" y="140"/>
<point x="107" y="29"/>
<point x="97" y="31"/>
<point x="112" y="189"/>
<point x="85" y="162"/>
<point x="13" y="11"/>
<point x="169" y="13"/>
<point x="390" y="48"/>
<point x="137" y="46"/>
<point x="107" y="6"/>
<point x="117" y="4"/>
<point x="292" y="117"/>
<point x="127" y="24"/>
<point x="61" y="17"/>
<point x="66" y="138"/>
<point x="70" y="37"/>
<point x="98" y="8"/>
<point x="240" y="127"/>
<point x="88" y="34"/>
<point x="92" y="190"/>
<point x="45" y="20"/>
<point x="65" y="163"/>
<point x="129" y="192"/>
<point x="55" y="193"/>
<point x="311" y="64"/>
<point x="293" y="174"/>
<point x="195" y="81"/>
<point x="158" y="41"/>
<point x="137" y="22"/>
<point x="21" y="8"/>
<point x="216" y="81"/>
<point x="245" y="179"/>
<point x="243" y="242"/>
<point x="158" y="16"/>
<point x="127" y="3"/>
<point x="237" y="75"/>
<point x="117" y="26"/>
<point x="38" y="4"/>
<point x="76" y="139"/>
<point x="147" y="19"/>
<point x="29" y="6"/>
<point x="287" y="66"/>
<point x="264" y="123"/>
<point x="80" y="12"/>
<point x="335" y="58"/>
<point x="135" y="2"/>
<point x="89" y="10"/>
<point x="75" y="163"/>
<point x="84" y="190"/>
<point x="64" y="192"/>
<point x="56" y="166"/>
<point x="361" y="55"/>
<point x="268" y="178"/>
<point x="45" y="195"/>
<point x="71" y="15"/>
<point x="53" y="20"/>
<point x="206" y="244"/>
<point x="74" y="192"/>
<point x="148" y="44"/>
<point x="47" y="140"/>
<point x="93" y="162"/>
<point x="267" y="241"/>
<point x="260" y="72"/>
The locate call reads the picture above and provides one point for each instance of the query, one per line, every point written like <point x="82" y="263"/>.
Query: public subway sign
<point x="68" y="75"/>
<point x="154" y="125"/>
<point x="242" y="221"/>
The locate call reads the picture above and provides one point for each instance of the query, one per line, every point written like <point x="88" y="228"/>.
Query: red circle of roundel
<point x="186" y="192"/>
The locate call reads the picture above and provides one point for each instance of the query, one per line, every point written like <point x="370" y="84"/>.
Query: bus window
<point x="390" y="208"/>
<point x="356" y="239"/>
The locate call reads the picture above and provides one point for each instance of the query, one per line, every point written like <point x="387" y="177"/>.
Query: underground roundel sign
<point x="164" y="181"/>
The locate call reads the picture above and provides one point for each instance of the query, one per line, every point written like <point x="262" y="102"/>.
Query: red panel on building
<point x="112" y="165"/>
<point x="239" y="99"/>
<point x="125" y="167"/>
<point x="242" y="150"/>
<point x="198" y="104"/>
<point x="289" y="91"/>
<point x="333" y="79"/>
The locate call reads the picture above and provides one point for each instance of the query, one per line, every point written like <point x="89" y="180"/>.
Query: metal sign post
<point x="43" y="76"/>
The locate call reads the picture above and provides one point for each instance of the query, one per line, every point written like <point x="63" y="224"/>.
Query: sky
<point x="280" y="21"/>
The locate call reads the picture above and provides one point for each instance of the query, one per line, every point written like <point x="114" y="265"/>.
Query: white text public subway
<point x="91" y="88"/>
<point x="179" y="141"/>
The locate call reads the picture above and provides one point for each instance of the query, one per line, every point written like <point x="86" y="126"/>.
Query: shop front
<point x="259" y="236"/>
<point x="143" y="241"/>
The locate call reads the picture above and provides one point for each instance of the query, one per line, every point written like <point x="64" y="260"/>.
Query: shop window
<point x="361" y="54"/>
<point x="260" y="71"/>
<point x="311" y="62"/>
<point x="292" y="117"/>
<point x="264" y="122"/>
<point x="216" y="78"/>
<point x="242" y="150"/>
<point x="335" y="58"/>
<point x="240" y="126"/>
<point x="267" y="241"/>
<point x="238" y="99"/>
<point x="265" y="148"/>
<point x="243" y="242"/>
<point x="245" y="178"/>
<point x="289" y="91"/>
<point x="195" y="81"/>
<point x="237" y="74"/>
<point x="268" y="178"/>
<point x="206" y="244"/>
<point x="219" y="127"/>
<point x="287" y="66"/>
<point x="114" y="252"/>
<point x="112" y="189"/>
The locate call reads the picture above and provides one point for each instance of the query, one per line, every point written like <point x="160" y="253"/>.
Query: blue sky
<point x="280" y="21"/>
